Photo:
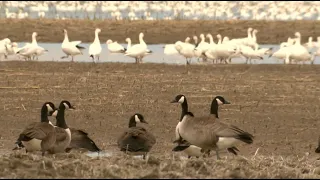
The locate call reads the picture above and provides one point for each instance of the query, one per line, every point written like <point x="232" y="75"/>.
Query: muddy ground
<point x="279" y="104"/>
<point x="163" y="31"/>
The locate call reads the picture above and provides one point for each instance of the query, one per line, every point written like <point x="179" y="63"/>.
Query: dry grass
<point x="21" y="165"/>
<point x="162" y="31"/>
<point x="279" y="104"/>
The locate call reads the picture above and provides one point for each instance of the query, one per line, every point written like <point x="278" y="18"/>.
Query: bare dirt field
<point x="278" y="104"/>
<point x="163" y="31"/>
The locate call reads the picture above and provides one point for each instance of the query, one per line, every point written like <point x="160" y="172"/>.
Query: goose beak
<point x="73" y="107"/>
<point x="174" y="101"/>
<point x="226" y="102"/>
<point x="145" y="122"/>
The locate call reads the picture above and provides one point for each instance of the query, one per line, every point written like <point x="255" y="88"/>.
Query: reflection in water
<point x="55" y="53"/>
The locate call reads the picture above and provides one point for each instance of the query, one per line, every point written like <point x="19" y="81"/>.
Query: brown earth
<point x="156" y="32"/>
<point x="279" y="104"/>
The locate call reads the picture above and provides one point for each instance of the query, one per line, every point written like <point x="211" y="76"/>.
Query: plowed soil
<point x="278" y="104"/>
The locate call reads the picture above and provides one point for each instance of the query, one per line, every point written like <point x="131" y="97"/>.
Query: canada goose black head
<point x="65" y="105"/>
<point x="218" y="100"/>
<point x="179" y="99"/>
<point x="47" y="109"/>
<point x="136" y="118"/>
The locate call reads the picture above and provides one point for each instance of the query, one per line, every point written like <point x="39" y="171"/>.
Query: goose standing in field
<point x="115" y="47"/>
<point x="39" y="136"/>
<point x="70" y="48"/>
<point x="297" y="51"/>
<point x="183" y="145"/>
<point x="62" y="131"/>
<point x="4" y="44"/>
<point x="136" y="140"/>
<point x="209" y="133"/>
<point x="138" y="51"/>
<point x="221" y="51"/>
<point x="284" y="48"/>
<point x="250" y="53"/>
<point x="169" y="49"/>
<point x="32" y="144"/>
<point x="33" y="49"/>
<point x="95" y="48"/>
<point x="201" y="48"/>
<point x="240" y="41"/>
<point x="252" y="40"/>
<point x="310" y="44"/>
<point x="185" y="49"/>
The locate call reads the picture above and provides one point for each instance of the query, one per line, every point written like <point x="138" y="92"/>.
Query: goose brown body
<point x="136" y="140"/>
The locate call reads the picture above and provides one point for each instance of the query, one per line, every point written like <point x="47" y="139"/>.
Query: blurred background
<point x="163" y="10"/>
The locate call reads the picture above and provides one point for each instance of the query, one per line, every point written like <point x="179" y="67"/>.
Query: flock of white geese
<point x="222" y="51"/>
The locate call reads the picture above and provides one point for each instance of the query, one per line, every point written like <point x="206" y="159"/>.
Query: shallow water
<point x="55" y="53"/>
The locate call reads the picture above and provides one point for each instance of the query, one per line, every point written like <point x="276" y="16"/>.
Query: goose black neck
<point x="184" y="107"/>
<point x="61" y="122"/>
<point x="214" y="108"/>
<point x="132" y="122"/>
<point x="44" y="114"/>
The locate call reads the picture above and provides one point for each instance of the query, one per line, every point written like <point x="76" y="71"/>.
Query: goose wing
<point x="224" y="130"/>
<point x="37" y="130"/>
<point x="61" y="134"/>
<point x="136" y="139"/>
<point x="209" y="124"/>
<point x="75" y="43"/>
<point x="80" y="139"/>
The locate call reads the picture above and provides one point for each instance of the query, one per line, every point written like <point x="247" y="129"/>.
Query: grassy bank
<point x="163" y="31"/>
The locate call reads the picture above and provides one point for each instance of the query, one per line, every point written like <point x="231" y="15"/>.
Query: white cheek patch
<point x="49" y="107"/>
<point x="66" y="105"/>
<point x="181" y="100"/>
<point x="219" y="102"/>
<point x="54" y="114"/>
<point x="136" y="118"/>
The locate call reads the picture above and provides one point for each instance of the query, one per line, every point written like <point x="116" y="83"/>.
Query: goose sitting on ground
<point x="209" y="133"/>
<point x="136" y="140"/>
<point x="81" y="140"/>
<point x="31" y="142"/>
<point x="39" y="136"/>
<point x="95" y="48"/>
<point x="115" y="47"/>
<point x="70" y="48"/>
<point x="62" y="131"/>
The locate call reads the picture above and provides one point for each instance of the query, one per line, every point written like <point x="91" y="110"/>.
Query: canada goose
<point x="218" y="100"/>
<point x="210" y="134"/>
<point x="47" y="109"/>
<point x="136" y="140"/>
<point x="81" y="140"/>
<point x="62" y="131"/>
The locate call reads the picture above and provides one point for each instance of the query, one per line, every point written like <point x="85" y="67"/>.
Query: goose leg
<point x="217" y="153"/>
<point x="26" y="151"/>
<point x="72" y="58"/>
